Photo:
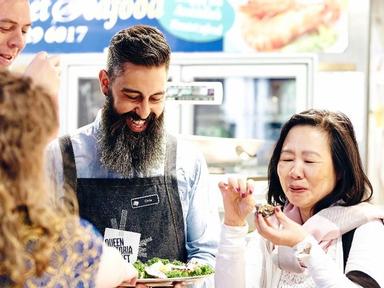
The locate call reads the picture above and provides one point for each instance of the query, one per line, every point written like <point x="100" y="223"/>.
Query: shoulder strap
<point x="170" y="155"/>
<point x="69" y="164"/>
<point x="347" y="243"/>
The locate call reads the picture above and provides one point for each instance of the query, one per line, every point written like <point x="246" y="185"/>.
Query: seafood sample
<point x="265" y="210"/>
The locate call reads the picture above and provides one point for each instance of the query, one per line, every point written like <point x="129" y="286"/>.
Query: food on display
<point x="164" y="269"/>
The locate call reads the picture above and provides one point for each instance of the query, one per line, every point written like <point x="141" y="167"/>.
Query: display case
<point x="260" y="92"/>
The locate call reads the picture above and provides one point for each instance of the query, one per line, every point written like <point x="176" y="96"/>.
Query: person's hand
<point x="288" y="233"/>
<point x="237" y="199"/>
<point x="132" y="274"/>
<point x="45" y="71"/>
<point x="131" y="281"/>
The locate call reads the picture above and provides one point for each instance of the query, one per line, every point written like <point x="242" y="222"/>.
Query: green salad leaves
<point x="164" y="268"/>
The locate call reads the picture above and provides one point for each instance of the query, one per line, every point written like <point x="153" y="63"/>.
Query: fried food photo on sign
<point x="269" y="25"/>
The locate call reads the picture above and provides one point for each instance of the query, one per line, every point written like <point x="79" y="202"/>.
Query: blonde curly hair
<point x="31" y="222"/>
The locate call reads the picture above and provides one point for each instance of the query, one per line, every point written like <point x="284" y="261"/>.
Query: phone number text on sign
<point x="58" y="34"/>
<point x="69" y="21"/>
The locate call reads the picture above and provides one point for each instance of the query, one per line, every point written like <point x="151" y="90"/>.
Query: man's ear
<point x="104" y="82"/>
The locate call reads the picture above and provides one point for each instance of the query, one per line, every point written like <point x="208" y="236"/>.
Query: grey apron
<point x="150" y="206"/>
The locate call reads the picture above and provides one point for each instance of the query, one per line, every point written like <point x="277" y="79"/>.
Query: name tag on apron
<point x="145" y="201"/>
<point x="125" y="241"/>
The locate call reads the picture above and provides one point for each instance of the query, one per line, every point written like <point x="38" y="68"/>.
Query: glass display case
<point x="259" y="95"/>
<point x="260" y="92"/>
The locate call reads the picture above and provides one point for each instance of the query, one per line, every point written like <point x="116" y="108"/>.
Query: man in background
<point x="128" y="173"/>
<point x="15" y="22"/>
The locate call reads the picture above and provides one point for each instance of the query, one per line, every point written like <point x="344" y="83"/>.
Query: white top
<point x="244" y="260"/>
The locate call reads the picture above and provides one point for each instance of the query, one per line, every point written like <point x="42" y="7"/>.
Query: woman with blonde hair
<point x="42" y="242"/>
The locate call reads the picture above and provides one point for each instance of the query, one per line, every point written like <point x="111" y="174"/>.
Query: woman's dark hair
<point x="140" y="45"/>
<point x="353" y="185"/>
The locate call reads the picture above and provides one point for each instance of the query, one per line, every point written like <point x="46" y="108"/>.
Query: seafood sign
<point x="68" y="22"/>
<point x="73" y="26"/>
<point x="88" y="25"/>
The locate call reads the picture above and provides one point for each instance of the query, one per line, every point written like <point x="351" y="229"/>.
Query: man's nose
<point x="143" y="109"/>
<point x="17" y="39"/>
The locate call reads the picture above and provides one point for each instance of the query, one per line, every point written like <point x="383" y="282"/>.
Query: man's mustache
<point x="120" y="122"/>
<point x="135" y="117"/>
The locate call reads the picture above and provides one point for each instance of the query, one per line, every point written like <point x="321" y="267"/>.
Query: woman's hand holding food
<point x="238" y="201"/>
<point x="286" y="233"/>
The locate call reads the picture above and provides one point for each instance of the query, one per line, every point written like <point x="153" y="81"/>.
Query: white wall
<point x="345" y="92"/>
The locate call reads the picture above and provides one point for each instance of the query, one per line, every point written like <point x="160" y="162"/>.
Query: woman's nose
<point x="296" y="171"/>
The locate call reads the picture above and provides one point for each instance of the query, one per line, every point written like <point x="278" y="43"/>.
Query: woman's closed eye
<point x="312" y="159"/>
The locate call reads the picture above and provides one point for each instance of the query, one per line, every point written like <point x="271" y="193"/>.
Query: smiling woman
<point x="316" y="176"/>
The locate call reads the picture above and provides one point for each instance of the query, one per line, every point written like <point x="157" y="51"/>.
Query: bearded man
<point x="128" y="173"/>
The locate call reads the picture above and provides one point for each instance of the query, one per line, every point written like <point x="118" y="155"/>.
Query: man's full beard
<point x="125" y="151"/>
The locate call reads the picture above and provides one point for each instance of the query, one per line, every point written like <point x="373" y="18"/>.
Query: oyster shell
<point x="265" y="210"/>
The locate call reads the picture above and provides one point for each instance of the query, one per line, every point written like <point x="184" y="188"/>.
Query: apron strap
<point x="173" y="194"/>
<point x="69" y="164"/>
<point x="170" y="156"/>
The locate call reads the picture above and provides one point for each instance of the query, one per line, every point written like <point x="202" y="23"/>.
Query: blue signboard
<point x="83" y="26"/>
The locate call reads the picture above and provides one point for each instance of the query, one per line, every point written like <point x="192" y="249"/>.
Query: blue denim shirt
<point x="200" y="209"/>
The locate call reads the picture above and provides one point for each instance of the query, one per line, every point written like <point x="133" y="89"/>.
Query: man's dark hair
<point x="140" y="45"/>
<point x="353" y="186"/>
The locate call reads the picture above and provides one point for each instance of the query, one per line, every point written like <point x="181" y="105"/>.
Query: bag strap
<point x="69" y="164"/>
<point x="347" y="243"/>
